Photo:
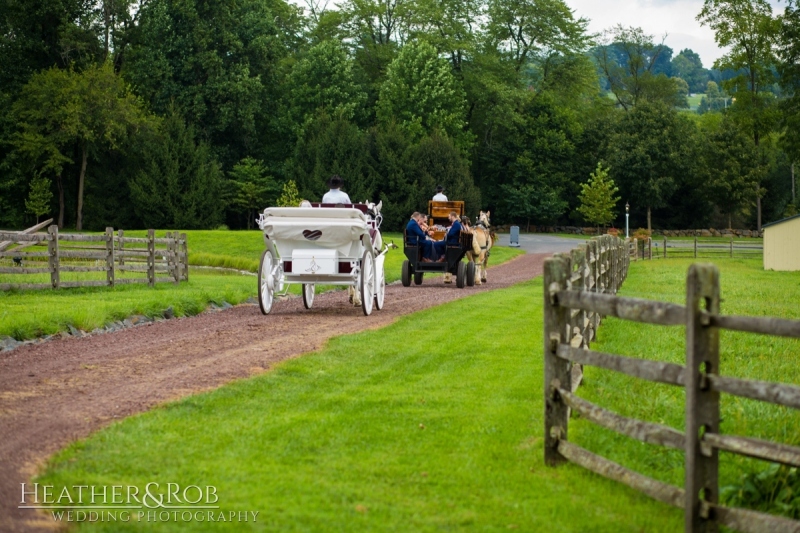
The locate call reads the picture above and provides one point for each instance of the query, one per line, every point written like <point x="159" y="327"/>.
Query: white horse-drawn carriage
<point x="326" y="244"/>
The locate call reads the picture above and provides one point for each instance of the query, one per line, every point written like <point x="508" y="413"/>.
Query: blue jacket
<point x="453" y="233"/>
<point x="414" y="234"/>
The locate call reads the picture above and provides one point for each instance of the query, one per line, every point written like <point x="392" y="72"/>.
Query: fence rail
<point x="565" y="296"/>
<point x="662" y="248"/>
<point x="114" y="253"/>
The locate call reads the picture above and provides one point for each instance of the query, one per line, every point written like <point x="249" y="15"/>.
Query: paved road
<point x="537" y="243"/>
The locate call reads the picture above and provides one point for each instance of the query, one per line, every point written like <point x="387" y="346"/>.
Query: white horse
<point x="481" y="244"/>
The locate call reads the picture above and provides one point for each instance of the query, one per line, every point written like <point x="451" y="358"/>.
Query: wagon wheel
<point x="380" y="282"/>
<point x="461" y="274"/>
<point x="418" y="278"/>
<point x="308" y="295"/>
<point x="405" y="275"/>
<point x="367" y="282"/>
<point x="266" y="282"/>
<point x="470" y="274"/>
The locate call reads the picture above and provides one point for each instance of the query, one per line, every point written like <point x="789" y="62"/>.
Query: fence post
<point x="650" y="248"/>
<point x="695" y="246"/>
<point x="731" y="246"/>
<point x="702" y="403"/>
<point x="151" y="257"/>
<point x="54" y="260"/>
<point x="556" y="370"/>
<point x="665" y="247"/>
<point x="185" y="257"/>
<point x="635" y="249"/>
<point x="121" y="247"/>
<point x="176" y="262"/>
<point x="110" y="256"/>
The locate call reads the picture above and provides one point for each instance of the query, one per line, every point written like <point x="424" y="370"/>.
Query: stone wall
<point x="576" y="230"/>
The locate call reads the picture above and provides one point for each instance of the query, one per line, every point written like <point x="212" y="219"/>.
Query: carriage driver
<point x="452" y="235"/>
<point x="335" y="196"/>
<point x="416" y="236"/>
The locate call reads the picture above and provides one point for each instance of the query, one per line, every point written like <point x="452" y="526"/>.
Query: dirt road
<point x="63" y="390"/>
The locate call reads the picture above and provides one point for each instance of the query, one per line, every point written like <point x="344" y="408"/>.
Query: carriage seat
<point x="361" y="207"/>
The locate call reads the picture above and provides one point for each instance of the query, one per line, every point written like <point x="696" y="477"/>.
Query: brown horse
<point x="481" y="244"/>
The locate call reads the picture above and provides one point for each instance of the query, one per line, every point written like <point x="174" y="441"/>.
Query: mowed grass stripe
<point x="433" y="423"/>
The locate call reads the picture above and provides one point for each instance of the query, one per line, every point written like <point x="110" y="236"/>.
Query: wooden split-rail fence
<point x="662" y="248"/>
<point x="157" y="259"/>
<point x="570" y="297"/>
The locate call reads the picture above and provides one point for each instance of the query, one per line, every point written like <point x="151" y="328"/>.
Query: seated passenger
<point x="415" y="236"/>
<point x="452" y="236"/>
<point x="335" y="196"/>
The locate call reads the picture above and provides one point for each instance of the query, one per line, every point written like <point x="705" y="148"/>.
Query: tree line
<point x="194" y="114"/>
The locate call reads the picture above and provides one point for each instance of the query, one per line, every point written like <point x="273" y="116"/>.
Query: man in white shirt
<point x="439" y="197"/>
<point x="335" y="196"/>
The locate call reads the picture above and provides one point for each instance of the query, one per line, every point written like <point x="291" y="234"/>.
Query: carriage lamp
<point x="627" y="216"/>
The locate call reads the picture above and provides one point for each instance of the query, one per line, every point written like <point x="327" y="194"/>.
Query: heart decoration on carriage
<point x="347" y="250"/>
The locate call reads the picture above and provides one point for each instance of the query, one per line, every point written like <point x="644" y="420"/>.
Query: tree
<point x="217" y="63"/>
<point x="649" y="154"/>
<point x="59" y="111"/>
<point x="531" y="30"/>
<point x="331" y="145"/>
<point x="323" y="79"/>
<point x="290" y="197"/>
<point x="597" y="197"/>
<point x="527" y="168"/>
<point x="254" y="188"/>
<point x="422" y="95"/>
<point x="748" y="29"/>
<point x="734" y="169"/>
<point x="682" y="89"/>
<point x="714" y="100"/>
<point x="180" y="184"/>
<point x="450" y="26"/>
<point x="688" y="66"/>
<point x="627" y="58"/>
<point x="38" y="202"/>
<point x="789" y="71"/>
<point x="40" y="34"/>
<point x="529" y="202"/>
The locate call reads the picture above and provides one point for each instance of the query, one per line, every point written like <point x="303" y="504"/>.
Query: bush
<point x="775" y="490"/>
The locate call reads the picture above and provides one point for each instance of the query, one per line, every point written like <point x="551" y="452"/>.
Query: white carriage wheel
<point x="367" y="282"/>
<point x="380" y="288"/>
<point x="266" y="282"/>
<point x="308" y="295"/>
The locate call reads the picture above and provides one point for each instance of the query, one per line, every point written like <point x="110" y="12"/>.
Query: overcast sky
<point x="676" y="18"/>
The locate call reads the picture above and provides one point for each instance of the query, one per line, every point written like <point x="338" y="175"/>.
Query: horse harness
<point x="481" y="224"/>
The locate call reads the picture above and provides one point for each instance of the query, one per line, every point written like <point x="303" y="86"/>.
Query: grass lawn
<point x="30" y="314"/>
<point x="746" y="290"/>
<point x="694" y="101"/>
<point x="407" y="428"/>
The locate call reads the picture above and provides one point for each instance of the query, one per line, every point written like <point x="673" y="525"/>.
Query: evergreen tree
<point x="38" y="202"/>
<point x="597" y="197"/>
<point x="331" y="145"/>
<point x="254" y="189"/>
<point x="180" y="185"/>
<point x="290" y="196"/>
